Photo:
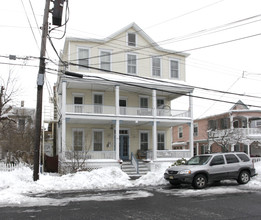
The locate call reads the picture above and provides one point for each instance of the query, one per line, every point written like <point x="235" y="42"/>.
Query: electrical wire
<point x="30" y="25"/>
<point x="161" y="90"/>
<point x="162" y="81"/>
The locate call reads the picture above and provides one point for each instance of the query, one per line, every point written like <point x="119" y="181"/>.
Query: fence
<point x="256" y="159"/>
<point x="9" y="167"/>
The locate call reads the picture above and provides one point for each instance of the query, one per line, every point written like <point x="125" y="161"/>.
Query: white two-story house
<point x="114" y="98"/>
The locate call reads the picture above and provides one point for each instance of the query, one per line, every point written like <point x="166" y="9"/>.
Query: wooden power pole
<point x="40" y="83"/>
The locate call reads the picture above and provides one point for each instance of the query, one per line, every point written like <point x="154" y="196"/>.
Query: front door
<point x="124" y="147"/>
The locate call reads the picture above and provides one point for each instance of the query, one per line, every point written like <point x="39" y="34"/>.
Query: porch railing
<point x="135" y="163"/>
<point x="244" y="132"/>
<point x="133" y="111"/>
<point x="173" y="154"/>
<point x="81" y="155"/>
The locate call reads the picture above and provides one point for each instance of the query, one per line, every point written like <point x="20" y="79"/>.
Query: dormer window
<point x="132" y="39"/>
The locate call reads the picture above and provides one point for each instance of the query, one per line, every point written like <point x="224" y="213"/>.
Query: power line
<point x="30" y="25"/>
<point x="187" y="13"/>
<point x="162" y="81"/>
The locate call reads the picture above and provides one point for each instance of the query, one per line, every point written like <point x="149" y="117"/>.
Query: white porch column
<point x="248" y="149"/>
<point x="63" y="117"/>
<point x="154" y="131"/>
<point x="191" y="130"/>
<point x="247" y="125"/>
<point x="231" y="120"/>
<point x="117" y="127"/>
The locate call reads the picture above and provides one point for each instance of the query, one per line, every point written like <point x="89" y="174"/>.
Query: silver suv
<point x="203" y="169"/>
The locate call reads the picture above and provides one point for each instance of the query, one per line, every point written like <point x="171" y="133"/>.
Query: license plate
<point x="171" y="177"/>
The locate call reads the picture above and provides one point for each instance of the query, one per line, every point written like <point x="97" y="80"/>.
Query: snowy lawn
<point x="17" y="188"/>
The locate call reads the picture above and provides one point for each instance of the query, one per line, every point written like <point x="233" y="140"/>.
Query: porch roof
<point x="132" y="83"/>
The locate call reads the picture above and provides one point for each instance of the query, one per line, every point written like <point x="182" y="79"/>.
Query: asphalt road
<point x="143" y="203"/>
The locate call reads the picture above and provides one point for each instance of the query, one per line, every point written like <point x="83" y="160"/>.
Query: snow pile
<point x="18" y="188"/>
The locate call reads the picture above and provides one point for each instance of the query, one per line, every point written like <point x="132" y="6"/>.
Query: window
<point x="243" y="157"/>
<point x="132" y="63"/>
<point x="144" y="104"/>
<point x="78" y="101"/>
<point x="161" y="141"/>
<point x="212" y="124"/>
<point x="160" y="102"/>
<point x="224" y="123"/>
<point x="180" y="132"/>
<point x="98" y="103"/>
<point x="97" y="140"/>
<point x="78" y="139"/>
<point x="174" y="69"/>
<point x="195" y="131"/>
<point x="144" y="141"/>
<point x="236" y="124"/>
<point x="132" y="39"/>
<point x="21" y="124"/>
<point x="217" y="160"/>
<point x="156" y="66"/>
<point x="123" y="105"/>
<point x="231" y="158"/>
<point x="83" y="58"/>
<point x="105" y="59"/>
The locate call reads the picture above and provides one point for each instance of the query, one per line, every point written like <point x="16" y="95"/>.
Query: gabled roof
<point x="136" y="28"/>
<point x="239" y="105"/>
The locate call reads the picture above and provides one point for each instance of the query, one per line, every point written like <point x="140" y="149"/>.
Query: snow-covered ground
<point x="17" y="188"/>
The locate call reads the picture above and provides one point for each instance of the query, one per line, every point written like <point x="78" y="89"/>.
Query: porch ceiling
<point x="123" y="123"/>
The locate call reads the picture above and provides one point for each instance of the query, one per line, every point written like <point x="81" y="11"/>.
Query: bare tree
<point x="76" y="160"/>
<point x="8" y="92"/>
<point x="14" y="139"/>
<point x="227" y="137"/>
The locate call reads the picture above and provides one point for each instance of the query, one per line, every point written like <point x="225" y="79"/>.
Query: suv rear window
<point x="243" y="157"/>
<point x="231" y="158"/>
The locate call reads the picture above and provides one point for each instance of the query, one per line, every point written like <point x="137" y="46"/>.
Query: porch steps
<point x="128" y="168"/>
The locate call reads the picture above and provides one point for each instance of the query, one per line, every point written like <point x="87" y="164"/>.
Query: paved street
<point x="163" y="202"/>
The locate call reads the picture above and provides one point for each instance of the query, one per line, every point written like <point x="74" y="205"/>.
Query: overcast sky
<point x="223" y="38"/>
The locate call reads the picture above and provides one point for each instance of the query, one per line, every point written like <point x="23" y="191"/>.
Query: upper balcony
<point x="124" y="111"/>
<point x="243" y="133"/>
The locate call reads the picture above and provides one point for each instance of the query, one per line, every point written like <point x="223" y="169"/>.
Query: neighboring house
<point x="120" y="107"/>
<point x="13" y="129"/>
<point x="239" y="129"/>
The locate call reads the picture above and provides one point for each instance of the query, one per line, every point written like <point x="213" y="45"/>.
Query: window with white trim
<point x="83" y="58"/>
<point x="98" y="103"/>
<point x="132" y="39"/>
<point x="97" y="140"/>
<point x="131" y="63"/>
<point x="160" y="102"/>
<point x="144" y="102"/>
<point x="156" y="66"/>
<point x="195" y="130"/>
<point x="105" y="60"/>
<point x="161" y="140"/>
<point x="144" y="141"/>
<point x="180" y="132"/>
<point x="78" y="139"/>
<point x="174" y="69"/>
<point x="78" y="104"/>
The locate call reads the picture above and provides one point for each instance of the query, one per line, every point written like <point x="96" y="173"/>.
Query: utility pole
<point x="40" y="83"/>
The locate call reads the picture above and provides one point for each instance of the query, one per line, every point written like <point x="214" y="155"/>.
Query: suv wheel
<point x="243" y="177"/>
<point x="200" y="181"/>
